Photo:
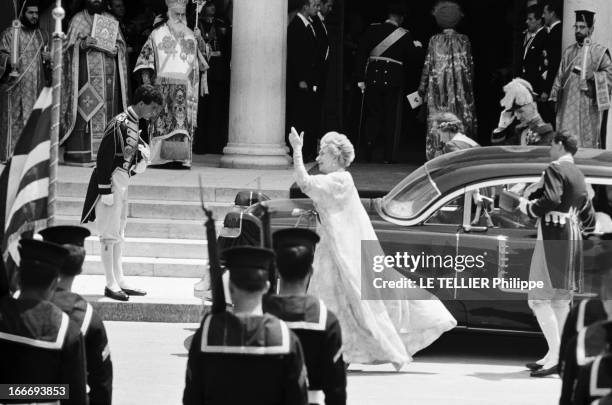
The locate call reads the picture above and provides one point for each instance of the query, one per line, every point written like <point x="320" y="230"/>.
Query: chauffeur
<point x="246" y="356"/>
<point x="97" y="353"/>
<point x="382" y="60"/>
<point x="38" y="342"/>
<point x="315" y="325"/>
<point x="122" y="153"/>
<point x="560" y="205"/>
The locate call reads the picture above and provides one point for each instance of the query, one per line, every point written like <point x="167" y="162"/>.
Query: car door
<point x="436" y="235"/>
<point x="506" y="240"/>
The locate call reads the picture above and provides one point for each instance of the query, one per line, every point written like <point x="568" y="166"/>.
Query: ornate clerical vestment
<point x="18" y="95"/>
<point x="93" y="92"/>
<point x="581" y="100"/>
<point x="173" y="58"/>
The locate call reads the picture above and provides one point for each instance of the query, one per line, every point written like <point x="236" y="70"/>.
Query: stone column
<point x="257" y="89"/>
<point x="602" y="33"/>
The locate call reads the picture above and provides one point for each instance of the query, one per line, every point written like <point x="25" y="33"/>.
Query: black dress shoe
<point x="533" y="366"/>
<point x="545" y="372"/>
<point x="134" y="291"/>
<point x="116" y="295"/>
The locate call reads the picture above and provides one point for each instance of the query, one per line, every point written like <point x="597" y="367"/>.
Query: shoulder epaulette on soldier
<point x="598" y="387"/>
<point x="222" y="332"/>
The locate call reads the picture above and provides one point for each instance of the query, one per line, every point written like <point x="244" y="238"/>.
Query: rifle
<point x="267" y="243"/>
<point x="214" y="266"/>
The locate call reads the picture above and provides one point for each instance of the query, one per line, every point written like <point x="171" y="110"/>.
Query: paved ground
<point x="461" y="368"/>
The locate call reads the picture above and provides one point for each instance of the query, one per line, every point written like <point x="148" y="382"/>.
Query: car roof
<point x="473" y="165"/>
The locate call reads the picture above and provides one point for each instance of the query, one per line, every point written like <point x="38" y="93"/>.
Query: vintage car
<point x="433" y="210"/>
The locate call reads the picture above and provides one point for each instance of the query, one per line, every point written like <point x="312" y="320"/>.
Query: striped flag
<point x="24" y="182"/>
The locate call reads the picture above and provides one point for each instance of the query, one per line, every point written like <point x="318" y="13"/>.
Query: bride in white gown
<point x="373" y="331"/>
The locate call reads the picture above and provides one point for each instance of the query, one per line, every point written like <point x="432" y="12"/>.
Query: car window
<point x="502" y="217"/>
<point x="449" y="214"/>
<point x="412" y="196"/>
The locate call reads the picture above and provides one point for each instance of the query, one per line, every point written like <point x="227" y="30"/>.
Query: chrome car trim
<point x="496" y="182"/>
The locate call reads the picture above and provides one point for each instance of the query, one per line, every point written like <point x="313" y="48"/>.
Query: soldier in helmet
<point x="317" y="327"/>
<point x="97" y="352"/>
<point x="237" y="358"/>
<point x="39" y="343"/>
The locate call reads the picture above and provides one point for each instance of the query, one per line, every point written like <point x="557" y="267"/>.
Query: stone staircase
<point x="165" y="248"/>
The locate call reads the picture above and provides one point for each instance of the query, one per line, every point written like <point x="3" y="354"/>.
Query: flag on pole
<point x="24" y="183"/>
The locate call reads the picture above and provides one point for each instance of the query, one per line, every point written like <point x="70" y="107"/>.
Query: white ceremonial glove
<point x="296" y="140"/>
<point x="523" y="202"/>
<point x="361" y="85"/>
<point x="505" y="119"/>
<point x="145" y="151"/>
<point x="140" y="167"/>
<point x="108" y="199"/>
<point x="417" y="44"/>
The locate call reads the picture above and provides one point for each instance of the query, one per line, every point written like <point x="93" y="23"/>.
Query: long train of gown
<point x="373" y="331"/>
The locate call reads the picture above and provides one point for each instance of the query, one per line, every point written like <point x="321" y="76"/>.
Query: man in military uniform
<point x="520" y="122"/>
<point x="38" y="342"/>
<point x="122" y="153"/>
<point x="317" y="328"/>
<point x="560" y="205"/>
<point x="592" y="339"/>
<point x="245" y="356"/>
<point x="382" y="63"/>
<point x="97" y="352"/>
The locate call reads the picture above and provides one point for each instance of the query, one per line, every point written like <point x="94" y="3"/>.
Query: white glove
<point x="145" y="151"/>
<point x="361" y="85"/>
<point x="505" y="119"/>
<point x="417" y="44"/>
<point x="140" y="166"/>
<point x="108" y="199"/>
<point x="523" y="202"/>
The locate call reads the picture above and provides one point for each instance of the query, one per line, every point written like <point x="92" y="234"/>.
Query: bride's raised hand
<point x="296" y="141"/>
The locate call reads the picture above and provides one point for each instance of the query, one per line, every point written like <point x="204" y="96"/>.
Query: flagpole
<point x="58" y="37"/>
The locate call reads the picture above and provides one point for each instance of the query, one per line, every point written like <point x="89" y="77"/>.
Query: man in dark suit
<point x="383" y="57"/>
<point x="533" y="64"/>
<point x="303" y="75"/>
<point x="324" y="49"/>
<point x="554" y="47"/>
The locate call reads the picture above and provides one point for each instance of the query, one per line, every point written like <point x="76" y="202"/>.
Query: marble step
<point x="152" y="227"/>
<point x="171" y="192"/>
<point x="161" y="209"/>
<point x="151" y="266"/>
<point x="168" y="299"/>
<point x="154" y="247"/>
